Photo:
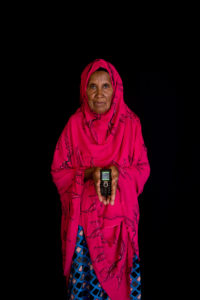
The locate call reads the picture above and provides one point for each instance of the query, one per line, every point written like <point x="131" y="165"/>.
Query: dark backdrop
<point x="158" y="93"/>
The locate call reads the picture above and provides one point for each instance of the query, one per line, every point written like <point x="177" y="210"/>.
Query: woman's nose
<point x="99" y="93"/>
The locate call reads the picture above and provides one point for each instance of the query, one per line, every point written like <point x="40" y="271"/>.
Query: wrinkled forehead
<point x="99" y="75"/>
<point x="93" y="67"/>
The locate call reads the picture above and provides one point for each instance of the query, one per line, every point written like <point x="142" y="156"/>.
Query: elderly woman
<point x="99" y="231"/>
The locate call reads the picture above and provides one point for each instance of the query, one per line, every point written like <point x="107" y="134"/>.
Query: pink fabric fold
<point x="88" y="140"/>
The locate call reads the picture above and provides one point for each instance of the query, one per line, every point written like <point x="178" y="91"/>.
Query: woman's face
<point x="99" y="92"/>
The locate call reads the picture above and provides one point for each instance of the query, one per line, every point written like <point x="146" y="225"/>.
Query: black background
<point x="156" y="53"/>
<point x="159" y="89"/>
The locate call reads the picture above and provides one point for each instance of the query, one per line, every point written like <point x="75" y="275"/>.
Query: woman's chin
<point x="100" y="111"/>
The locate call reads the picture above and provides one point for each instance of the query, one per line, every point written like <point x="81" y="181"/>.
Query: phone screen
<point x="105" y="175"/>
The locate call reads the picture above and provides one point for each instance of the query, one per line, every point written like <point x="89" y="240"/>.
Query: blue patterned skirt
<point x="83" y="282"/>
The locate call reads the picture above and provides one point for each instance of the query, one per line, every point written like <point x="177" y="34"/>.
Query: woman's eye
<point x="106" y="85"/>
<point x="92" y="86"/>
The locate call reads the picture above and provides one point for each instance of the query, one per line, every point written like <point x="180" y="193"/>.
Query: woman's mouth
<point x="99" y="103"/>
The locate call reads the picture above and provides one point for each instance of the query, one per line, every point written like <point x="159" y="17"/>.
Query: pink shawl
<point x="89" y="139"/>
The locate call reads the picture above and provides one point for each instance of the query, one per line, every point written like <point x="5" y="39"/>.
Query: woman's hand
<point x="115" y="176"/>
<point x="97" y="181"/>
<point x="95" y="174"/>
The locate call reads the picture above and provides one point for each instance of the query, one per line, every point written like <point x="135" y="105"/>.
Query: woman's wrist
<point x="88" y="173"/>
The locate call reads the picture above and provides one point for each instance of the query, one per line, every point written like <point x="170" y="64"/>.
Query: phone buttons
<point x="105" y="184"/>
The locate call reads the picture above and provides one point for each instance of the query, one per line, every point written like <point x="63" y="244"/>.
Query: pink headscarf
<point x="101" y="140"/>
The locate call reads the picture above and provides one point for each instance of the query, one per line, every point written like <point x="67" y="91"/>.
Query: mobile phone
<point x="105" y="184"/>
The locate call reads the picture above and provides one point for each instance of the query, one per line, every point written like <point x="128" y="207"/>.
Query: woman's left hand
<point x="115" y="176"/>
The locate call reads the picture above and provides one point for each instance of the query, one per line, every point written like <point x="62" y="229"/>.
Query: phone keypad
<point x="105" y="187"/>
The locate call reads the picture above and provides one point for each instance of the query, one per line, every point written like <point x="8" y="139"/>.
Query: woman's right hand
<point x="97" y="181"/>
